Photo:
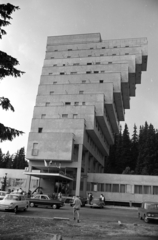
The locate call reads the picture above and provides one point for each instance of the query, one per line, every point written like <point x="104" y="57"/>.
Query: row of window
<point x="123" y="188"/>
<point x="52" y="92"/>
<point x="90" y="48"/>
<point x="84" y="81"/>
<point x="71" y="73"/>
<point x="69" y="103"/>
<point x="81" y="63"/>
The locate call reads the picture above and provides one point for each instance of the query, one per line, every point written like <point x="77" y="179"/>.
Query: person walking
<point x="76" y="208"/>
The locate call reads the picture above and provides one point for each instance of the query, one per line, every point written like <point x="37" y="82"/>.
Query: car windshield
<point x="151" y="206"/>
<point x="12" y="197"/>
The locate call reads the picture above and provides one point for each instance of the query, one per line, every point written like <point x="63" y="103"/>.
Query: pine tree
<point x="126" y="149"/>
<point x="19" y="161"/>
<point x="7" y="68"/>
<point x="134" y="148"/>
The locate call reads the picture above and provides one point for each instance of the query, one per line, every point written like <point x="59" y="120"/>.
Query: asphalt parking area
<point x="33" y="225"/>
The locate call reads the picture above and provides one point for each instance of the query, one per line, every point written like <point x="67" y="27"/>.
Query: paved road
<point x="107" y="214"/>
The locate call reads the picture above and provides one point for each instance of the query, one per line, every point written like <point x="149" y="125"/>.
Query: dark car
<point x="45" y="200"/>
<point x="83" y="200"/>
<point x="148" y="211"/>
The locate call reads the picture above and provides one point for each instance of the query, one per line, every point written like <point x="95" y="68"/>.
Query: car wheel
<point x="146" y="219"/>
<point x="32" y="204"/>
<point x="54" y="206"/>
<point x="15" y="210"/>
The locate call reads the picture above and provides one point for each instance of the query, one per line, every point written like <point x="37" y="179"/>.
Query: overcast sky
<point x="113" y="19"/>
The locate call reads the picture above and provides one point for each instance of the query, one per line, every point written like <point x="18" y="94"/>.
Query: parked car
<point x="148" y="211"/>
<point x="96" y="203"/>
<point x="2" y="194"/>
<point x="45" y="200"/>
<point x="14" y="202"/>
<point x="83" y="200"/>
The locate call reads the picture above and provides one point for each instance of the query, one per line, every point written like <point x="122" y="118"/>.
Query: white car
<point x="14" y="202"/>
<point x="2" y="194"/>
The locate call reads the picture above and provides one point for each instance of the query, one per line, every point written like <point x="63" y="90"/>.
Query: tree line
<point x="14" y="161"/>
<point x="134" y="155"/>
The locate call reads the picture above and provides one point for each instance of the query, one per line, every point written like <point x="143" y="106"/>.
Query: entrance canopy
<point x="48" y="175"/>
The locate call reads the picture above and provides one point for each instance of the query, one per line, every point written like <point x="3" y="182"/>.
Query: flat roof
<point x="42" y="175"/>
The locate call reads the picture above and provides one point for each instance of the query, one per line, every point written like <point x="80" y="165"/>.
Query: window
<point x="68" y="56"/>
<point x="40" y="130"/>
<point x="122" y="188"/>
<point x="81" y="186"/>
<point x="69" y="49"/>
<point x="35" y="145"/>
<point x="55" y="50"/>
<point x="64" y="115"/>
<point x="88" y="186"/>
<point x="109" y="62"/>
<point x="51" y="93"/>
<point x="83" y="103"/>
<point x="103" y="47"/>
<point x="102" y="71"/>
<point x="102" y="187"/>
<point x="96" y="71"/>
<point x="76" y="64"/>
<point x="89" y="63"/>
<point x="50" y="73"/>
<point x="115" y="46"/>
<point x="89" y="55"/>
<point x="67" y="103"/>
<point x="91" y="48"/>
<point x="108" y="187"/>
<point x="101" y="81"/>
<point x="83" y="81"/>
<point x="52" y="57"/>
<point x="138" y="189"/>
<point x="47" y="103"/>
<point x="54" y="82"/>
<point x="88" y="72"/>
<point x="43" y="115"/>
<point x="97" y="63"/>
<point x="126" y="53"/>
<point x="81" y="92"/>
<point x="73" y="72"/>
<point x="54" y="65"/>
<point x="62" y="73"/>
<point x="75" y="115"/>
<point x="147" y="189"/>
<point x="114" y="54"/>
<point x="155" y="190"/>
<point x="115" y="188"/>
<point x="76" y="103"/>
<point x="101" y="55"/>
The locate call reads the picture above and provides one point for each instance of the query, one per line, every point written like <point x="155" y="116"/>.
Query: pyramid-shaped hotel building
<point x="85" y="87"/>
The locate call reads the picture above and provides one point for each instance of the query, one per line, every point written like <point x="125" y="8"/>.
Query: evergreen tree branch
<point x="5" y="103"/>
<point x="7" y="64"/>
<point x="7" y="133"/>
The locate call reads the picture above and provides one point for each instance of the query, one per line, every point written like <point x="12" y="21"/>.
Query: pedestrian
<point x="59" y="196"/>
<point x="90" y="198"/>
<point x="76" y="208"/>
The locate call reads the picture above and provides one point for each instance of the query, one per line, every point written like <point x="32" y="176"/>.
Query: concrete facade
<point x="85" y="86"/>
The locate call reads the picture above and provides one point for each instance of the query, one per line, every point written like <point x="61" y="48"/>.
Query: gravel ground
<point x="16" y="227"/>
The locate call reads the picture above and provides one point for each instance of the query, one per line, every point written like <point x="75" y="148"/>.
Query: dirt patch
<point x="16" y="227"/>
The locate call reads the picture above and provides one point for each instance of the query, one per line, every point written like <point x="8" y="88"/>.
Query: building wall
<point x="124" y="188"/>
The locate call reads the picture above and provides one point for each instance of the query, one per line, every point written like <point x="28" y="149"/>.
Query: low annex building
<point x="85" y="86"/>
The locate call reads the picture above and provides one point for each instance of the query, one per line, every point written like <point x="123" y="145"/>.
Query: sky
<point x="37" y="19"/>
